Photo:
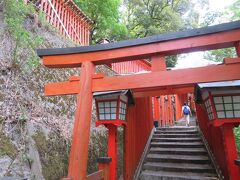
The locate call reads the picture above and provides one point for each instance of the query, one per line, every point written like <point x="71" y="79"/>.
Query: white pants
<point x="187" y="119"/>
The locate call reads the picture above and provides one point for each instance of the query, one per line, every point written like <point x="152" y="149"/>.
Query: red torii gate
<point x="156" y="83"/>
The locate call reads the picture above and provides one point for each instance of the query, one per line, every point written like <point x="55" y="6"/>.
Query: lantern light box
<point x="221" y="100"/>
<point x="112" y="105"/>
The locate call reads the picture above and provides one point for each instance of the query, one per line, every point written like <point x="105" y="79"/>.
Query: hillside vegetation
<point x="35" y="131"/>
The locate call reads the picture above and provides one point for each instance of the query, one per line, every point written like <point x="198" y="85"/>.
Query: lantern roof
<point x="127" y="92"/>
<point x="221" y="85"/>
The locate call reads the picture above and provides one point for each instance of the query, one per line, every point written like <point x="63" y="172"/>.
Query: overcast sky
<point x="196" y="59"/>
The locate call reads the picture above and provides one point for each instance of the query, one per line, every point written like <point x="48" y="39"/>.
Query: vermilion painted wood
<point x="131" y="66"/>
<point x="156" y="108"/>
<point x="158" y="63"/>
<point x="105" y="168"/>
<point x="65" y="17"/>
<point x="231" y="60"/>
<point x="178" y="106"/>
<point x="137" y="131"/>
<point x="55" y="21"/>
<point x="162" y="91"/>
<point x="79" y="149"/>
<point x="112" y="122"/>
<point x="49" y="12"/>
<point x="221" y="122"/>
<point x="237" y="47"/>
<point x="156" y="80"/>
<point x="96" y="175"/>
<point x="169" y="78"/>
<point x="206" y="42"/>
<point x="202" y="118"/>
<point x="221" y="142"/>
<point x="112" y="150"/>
<point x="42" y="5"/>
<point x="230" y="151"/>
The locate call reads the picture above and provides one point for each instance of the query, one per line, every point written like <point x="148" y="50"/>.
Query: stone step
<point x="178" y="167"/>
<point x="174" y="128"/>
<point x="182" y="151"/>
<point x="165" y="175"/>
<point x="200" y="159"/>
<point x="176" y="132"/>
<point x="196" y="139"/>
<point x="177" y="144"/>
<point x="174" y="135"/>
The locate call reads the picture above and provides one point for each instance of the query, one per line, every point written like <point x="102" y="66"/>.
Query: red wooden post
<point x="80" y="30"/>
<point x="156" y="109"/>
<point x="163" y="111"/>
<point x="64" y="17"/>
<point x="158" y="63"/>
<point x="112" y="150"/>
<point x="88" y="34"/>
<point x="178" y="106"/>
<point x="55" y="21"/>
<point x="230" y="151"/>
<point x="84" y="33"/>
<point x="76" y="28"/>
<point x="49" y="12"/>
<point x="103" y="164"/>
<point x="42" y="5"/>
<point x="237" y="47"/>
<point x="79" y="150"/>
<point x="59" y="10"/>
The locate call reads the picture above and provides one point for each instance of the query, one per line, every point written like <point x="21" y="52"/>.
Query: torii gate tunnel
<point x="144" y="86"/>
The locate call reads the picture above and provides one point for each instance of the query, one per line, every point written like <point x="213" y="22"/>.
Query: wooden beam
<point x="153" y="82"/>
<point x="171" y="47"/>
<point x="169" y="78"/>
<point x="158" y="63"/>
<point x="160" y="92"/>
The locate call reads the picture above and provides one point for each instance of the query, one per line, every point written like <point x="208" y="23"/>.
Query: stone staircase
<point x="177" y="153"/>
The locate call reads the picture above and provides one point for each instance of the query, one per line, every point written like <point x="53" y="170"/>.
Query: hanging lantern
<point x="221" y="100"/>
<point x="112" y="106"/>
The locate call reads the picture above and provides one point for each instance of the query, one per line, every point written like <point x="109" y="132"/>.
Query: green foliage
<point x="232" y="13"/>
<point x="6" y="147"/>
<point x="15" y="15"/>
<point x="149" y="17"/>
<point x="220" y="54"/>
<point x="53" y="155"/>
<point x="171" y="61"/>
<point x="106" y="19"/>
<point x="234" y="10"/>
<point x="139" y="18"/>
<point x="237" y="139"/>
<point x="120" y="141"/>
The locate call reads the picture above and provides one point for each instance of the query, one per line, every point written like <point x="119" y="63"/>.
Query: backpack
<point x="186" y="110"/>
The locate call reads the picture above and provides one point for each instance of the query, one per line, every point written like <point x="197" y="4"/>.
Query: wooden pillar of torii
<point x="79" y="151"/>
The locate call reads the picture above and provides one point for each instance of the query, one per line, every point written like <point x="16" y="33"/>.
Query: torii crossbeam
<point x="149" y="84"/>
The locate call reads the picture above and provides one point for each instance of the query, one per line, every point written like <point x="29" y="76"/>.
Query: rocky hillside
<point x="35" y="131"/>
